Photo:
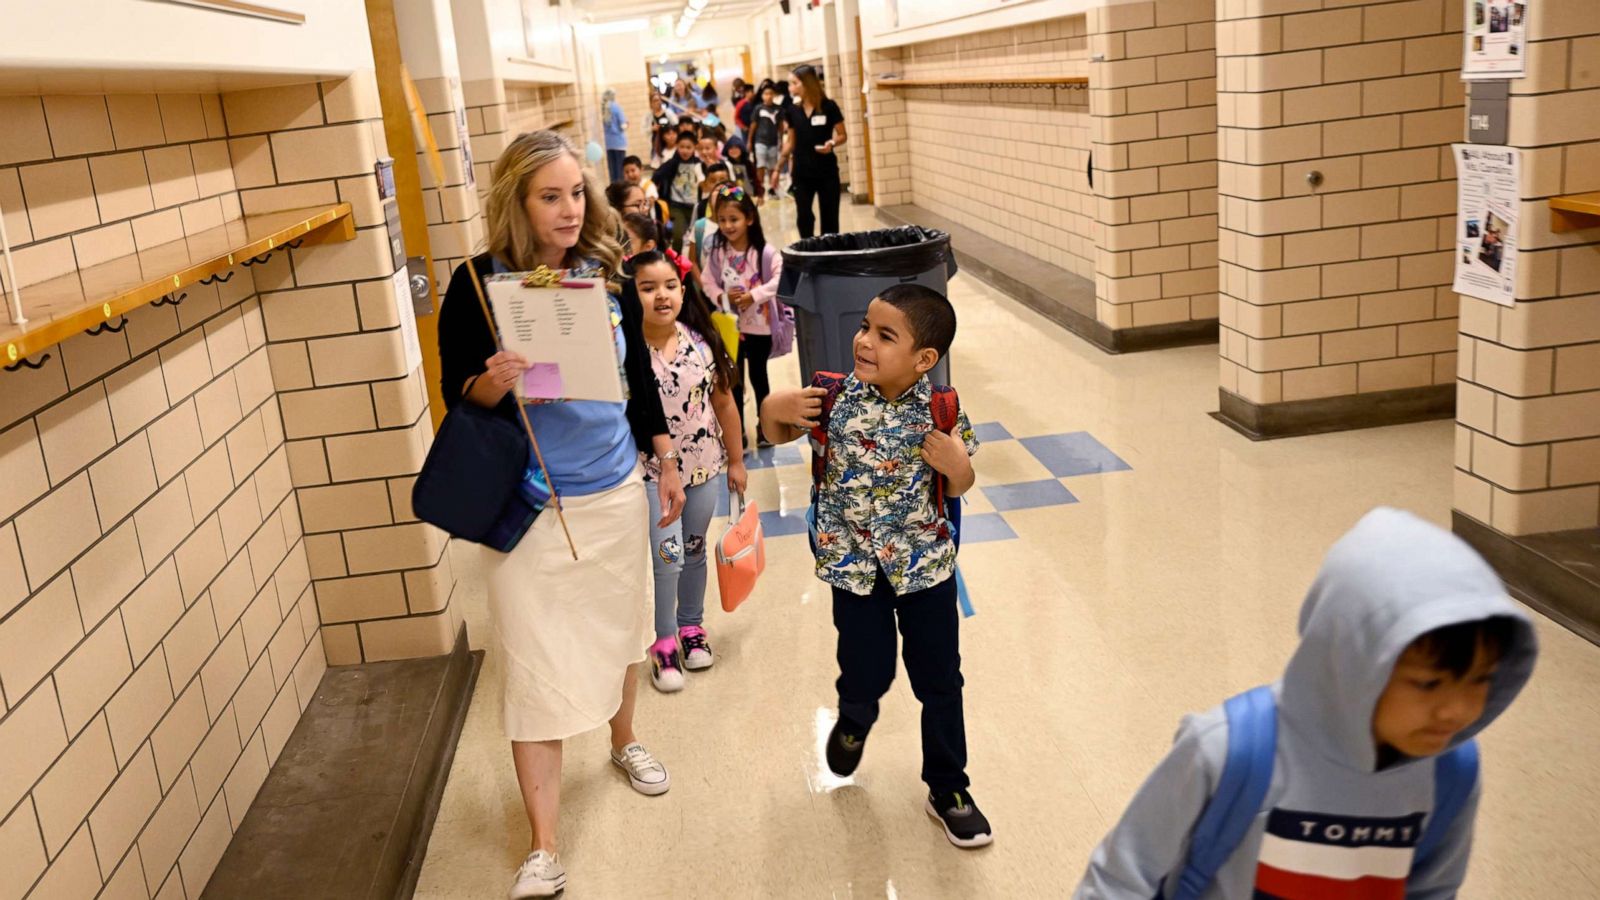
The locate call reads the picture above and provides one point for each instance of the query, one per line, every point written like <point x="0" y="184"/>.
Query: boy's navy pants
<point x="930" y="624"/>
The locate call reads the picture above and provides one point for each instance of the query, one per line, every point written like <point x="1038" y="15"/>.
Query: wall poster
<point x="1486" y="221"/>
<point x="1497" y="39"/>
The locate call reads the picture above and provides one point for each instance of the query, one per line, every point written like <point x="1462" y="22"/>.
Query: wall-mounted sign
<point x="1488" y="110"/>
<point x="1497" y="39"/>
<point x="385" y="172"/>
<point x="1486" y="222"/>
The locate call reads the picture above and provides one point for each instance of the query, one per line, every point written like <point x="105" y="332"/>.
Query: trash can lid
<point x="907" y="250"/>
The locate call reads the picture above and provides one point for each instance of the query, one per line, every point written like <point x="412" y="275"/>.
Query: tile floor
<point x="1172" y="582"/>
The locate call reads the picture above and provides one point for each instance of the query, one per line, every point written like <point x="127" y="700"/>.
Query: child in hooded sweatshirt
<point x="1409" y="647"/>
<point x="741" y="168"/>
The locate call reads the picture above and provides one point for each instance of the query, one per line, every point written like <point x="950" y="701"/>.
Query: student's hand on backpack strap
<point x="947" y="454"/>
<point x="799" y="408"/>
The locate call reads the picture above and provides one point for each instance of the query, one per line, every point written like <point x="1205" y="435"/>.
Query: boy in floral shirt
<point x="884" y="544"/>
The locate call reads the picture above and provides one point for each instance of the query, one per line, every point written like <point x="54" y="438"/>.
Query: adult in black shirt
<point x="816" y="129"/>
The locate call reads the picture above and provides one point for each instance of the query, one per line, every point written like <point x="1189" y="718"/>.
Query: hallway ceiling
<point x="616" y="10"/>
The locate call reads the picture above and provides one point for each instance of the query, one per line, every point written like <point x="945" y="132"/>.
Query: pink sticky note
<point x="543" y="381"/>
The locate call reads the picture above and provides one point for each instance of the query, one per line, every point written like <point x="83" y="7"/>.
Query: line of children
<point x="695" y="375"/>
<point x="740" y="272"/>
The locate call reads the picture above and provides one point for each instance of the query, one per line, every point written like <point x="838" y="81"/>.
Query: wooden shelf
<point x="1575" y="211"/>
<point x="1035" y="82"/>
<point x="89" y="298"/>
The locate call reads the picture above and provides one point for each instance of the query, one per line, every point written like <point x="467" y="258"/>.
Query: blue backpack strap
<point x="1240" y="793"/>
<point x="1454" y="775"/>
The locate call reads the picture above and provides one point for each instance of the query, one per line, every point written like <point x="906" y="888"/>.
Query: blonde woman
<point x="569" y="634"/>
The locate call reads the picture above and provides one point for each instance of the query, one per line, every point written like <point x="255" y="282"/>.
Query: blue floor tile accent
<point x="1027" y="495"/>
<point x="1077" y="453"/>
<point x="778" y="524"/>
<point x="981" y="527"/>
<point x="772" y="457"/>
<point x="991" y="431"/>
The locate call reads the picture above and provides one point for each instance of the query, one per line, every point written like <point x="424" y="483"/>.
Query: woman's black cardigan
<point x="465" y="343"/>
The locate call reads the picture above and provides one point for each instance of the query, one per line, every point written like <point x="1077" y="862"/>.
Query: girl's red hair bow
<point x="684" y="266"/>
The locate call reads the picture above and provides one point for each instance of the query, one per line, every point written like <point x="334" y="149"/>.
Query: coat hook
<point x="167" y="300"/>
<point x="217" y="279"/>
<point x="295" y="245"/>
<point x="29" y="363"/>
<point x="104" y="327"/>
<point x="259" y="259"/>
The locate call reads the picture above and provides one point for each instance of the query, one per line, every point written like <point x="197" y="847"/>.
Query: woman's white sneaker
<point x="647" y="776"/>
<point x="541" y="875"/>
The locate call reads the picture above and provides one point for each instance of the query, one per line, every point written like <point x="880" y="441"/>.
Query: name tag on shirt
<point x="819" y="120"/>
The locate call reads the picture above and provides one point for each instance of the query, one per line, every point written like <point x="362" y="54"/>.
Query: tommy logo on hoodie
<point x="1317" y="856"/>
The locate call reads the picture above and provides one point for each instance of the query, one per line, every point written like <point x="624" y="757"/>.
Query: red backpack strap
<point x="833" y="383"/>
<point x="946" y="405"/>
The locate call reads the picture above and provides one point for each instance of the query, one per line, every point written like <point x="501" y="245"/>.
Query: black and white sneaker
<point x="964" y="824"/>
<point x="844" y="751"/>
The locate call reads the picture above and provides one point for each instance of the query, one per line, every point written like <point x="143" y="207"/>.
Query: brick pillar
<point x="1153" y="106"/>
<point x="845" y="87"/>
<point x="1336" y="310"/>
<point x="354" y="412"/>
<point x="1528" y="414"/>
<point x="455" y="219"/>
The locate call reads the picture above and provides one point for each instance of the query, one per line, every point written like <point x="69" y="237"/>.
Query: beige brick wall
<point x="1343" y="288"/>
<point x="158" y="628"/>
<point x="891" y="144"/>
<point x="1153" y="101"/>
<point x="1528" y="411"/>
<point x="354" y="415"/>
<point x="1008" y="162"/>
<point x="497" y="112"/>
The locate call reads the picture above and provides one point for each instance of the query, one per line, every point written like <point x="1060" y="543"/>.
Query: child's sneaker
<point x="541" y="875"/>
<point x="844" y="751"/>
<point x="666" y="673"/>
<point x="645" y="774"/>
<point x="696" y="649"/>
<point x="964" y="824"/>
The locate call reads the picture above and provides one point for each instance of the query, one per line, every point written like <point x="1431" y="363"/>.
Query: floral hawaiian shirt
<point x="876" y="504"/>
<point x="688" y="381"/>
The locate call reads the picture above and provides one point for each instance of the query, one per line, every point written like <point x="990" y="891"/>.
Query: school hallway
<point x="1130" y="560"/>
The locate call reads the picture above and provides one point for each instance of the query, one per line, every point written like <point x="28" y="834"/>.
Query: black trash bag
<point x="907" y="250"/>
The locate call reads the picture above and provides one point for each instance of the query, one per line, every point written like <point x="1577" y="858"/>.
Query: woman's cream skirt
<point x="567" y="631"/>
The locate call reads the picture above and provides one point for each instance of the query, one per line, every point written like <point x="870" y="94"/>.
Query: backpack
<point x="1247" y="773"/>
<point x="946" y="407"/>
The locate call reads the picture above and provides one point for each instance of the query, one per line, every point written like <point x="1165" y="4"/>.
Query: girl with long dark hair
<point x="696" y="377"/>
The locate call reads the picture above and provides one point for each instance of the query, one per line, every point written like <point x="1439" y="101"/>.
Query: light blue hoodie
<point x="1392" y="579"/>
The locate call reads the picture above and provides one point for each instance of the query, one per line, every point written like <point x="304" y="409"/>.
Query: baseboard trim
<point x="1060" y="296"/>
<point x="1557" y="573"/>
<point x="349" y="806"/>
<point x="1267" y="421"/>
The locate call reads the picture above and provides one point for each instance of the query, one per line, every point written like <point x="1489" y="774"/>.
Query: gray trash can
<point x="830" y="281"/>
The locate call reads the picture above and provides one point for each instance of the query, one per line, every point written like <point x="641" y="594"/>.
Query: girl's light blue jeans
<point x="678" y="556"/>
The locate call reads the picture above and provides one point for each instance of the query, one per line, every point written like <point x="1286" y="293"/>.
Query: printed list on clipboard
<point x="564" y="332"/>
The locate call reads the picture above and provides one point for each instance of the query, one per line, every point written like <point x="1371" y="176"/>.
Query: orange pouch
<point x="741" y="555"/>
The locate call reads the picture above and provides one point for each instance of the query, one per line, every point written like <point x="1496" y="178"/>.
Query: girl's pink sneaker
<point x="666" y="673"/>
